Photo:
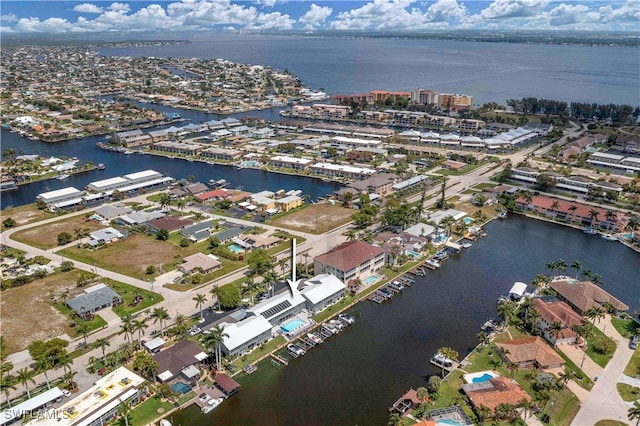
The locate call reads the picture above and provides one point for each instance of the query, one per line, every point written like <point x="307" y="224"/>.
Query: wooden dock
<point x="279" y="359"/>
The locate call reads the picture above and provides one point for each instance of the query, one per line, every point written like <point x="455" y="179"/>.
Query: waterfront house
<point x="99" y="404"/>
<point x="200" y="263"/>
<point x="93" y="299"/>
<point x="353" y="260"/>
<point x="223" y="154"/>
<point x="584" y="295"/>
<point x="322" y="291"/>
<point x="627" y="143"/>
<point x="183" y="359"/>
<point x="245" y="335"/>
<point x="290" y="162"/>
<point x="177" y="147"/>
<point x="530" y="352"/>
<point x="552" y="311"/>
<point x="380" y="184"/>
<point x="493" y="392"/>
<point x="196" y="188"/>
<point x="63" y="197"/>
<point x="342" y="171"/>
<point x="217" y="194"/>
<point x="226" y="384"/>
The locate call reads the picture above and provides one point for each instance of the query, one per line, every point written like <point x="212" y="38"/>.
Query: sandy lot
<point x="315" y="219"/>
<point x="46" y="236"/>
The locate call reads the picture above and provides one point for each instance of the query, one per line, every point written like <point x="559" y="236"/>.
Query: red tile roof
<point x="349" y="255"/>
<point x="502" y="390"/>
<point x="583" y="210"/>
<point x="218" y="193"/>
<point x="559" y="311"/>
<point x="585" y="295"/>
<point x="528" y="349"/>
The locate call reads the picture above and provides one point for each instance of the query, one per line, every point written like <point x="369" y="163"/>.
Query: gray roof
<point x="94" y="298"/>
<point x="110" y="212"/>
<point x="228" y="233"/>
<point x="142" y="217"/>
<point x="196" y="188"/>
<point x="196" y="227"/>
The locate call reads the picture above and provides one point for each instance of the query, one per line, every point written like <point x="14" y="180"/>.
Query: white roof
<point x="106" y="183"/>
<point x="69" y="191"/>
<point x="441" y="214"/>
<point x="190" y="371"/>
<point x="321" y="287"/>
<point x="420" y="230"/>
<point x="262" y="307"/>
<point x="518" y="288"/>
<point x="294" y="160"/>
<point x="154" y="343"/>
<point x="340" y="167"/>
<point x="165" y="375"/>
<point x="244" y="331"/>
<point x="143" y="175"/>
<point x="30" y="405"/>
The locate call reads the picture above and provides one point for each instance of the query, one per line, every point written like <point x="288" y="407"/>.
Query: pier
<point x="279" y="359"/>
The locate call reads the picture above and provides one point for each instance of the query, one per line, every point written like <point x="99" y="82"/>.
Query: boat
<point x="589" y="230"/>
<point x="466" y="245"/>
<point x="433" y="263"/>
<point x="211" y="404"/>
<point x="62" y="177"/>
<point x="295" y="350"/>
<point x="502" y="215"/>
<point x="100" y="166"/>
<point x="127" y="152"/>
<point x="442" y="361"/>
<point x="330" y="328"/>
<point x="337" y="324"/>
<point x="314" y="338"/>
<point x="609" y="237"/>
<point x="326" y="180"/>
<point x="165" y="422"/>
<point x="349" y="319"/>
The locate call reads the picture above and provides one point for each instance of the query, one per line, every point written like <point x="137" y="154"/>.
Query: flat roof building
<point x="245" y="335"/>
<point x="59" y="195"/>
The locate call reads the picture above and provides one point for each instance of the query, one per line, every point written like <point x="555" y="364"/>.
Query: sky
<point x="307" y="15"/>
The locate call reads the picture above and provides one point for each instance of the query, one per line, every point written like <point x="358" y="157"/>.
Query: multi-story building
<point x="424" y="97"/>
<point x="342" y="171"/>
<point x="350" y="261"/>
<point x="290" y="162"/>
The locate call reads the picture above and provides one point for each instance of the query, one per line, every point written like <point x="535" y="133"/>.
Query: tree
<point x="82" y="328"/>
<point x="9" y="222"/>
<point x="351" y="234"/>
<point x="259" y="261"/>
<point x="162" y="316"/>
<point x="7" y="384"/>
<point x="450" y="353"/>
<point x="66" y="266"/>
<point x="216" y="292"/>
<point x="634" y="412"/>
<point x="213" y="341"/>
<point x="593" y="215"/>
<point x="561" y="264"/>
<point x="567" y="375"/>
<point x="145" y="365"/>
<point x="502" y="353"/>
<point x="433" y="384"/>
<point x="394" y="419"/>
<point x="139" y="325"/>
<point x="162" y="235"/>
<point x="229" y="297"/>
<point x="572" y="209"/>
<point x="165" y="200"/>
<point x="43" y="365"/>
<point x="483" y="412"/>
<point x="64" y="238"/>
<point x="482" y="337"/>
<point x="199" y="299"/>
<point x="25" y="376"/>
<point x="577" y="266"/>
<point x="125" y="413"/>
<point x="555" y="329"/>
<point x="513" y="369"/>
<point x="102" y="343"/>
<point x="126" y="328"/>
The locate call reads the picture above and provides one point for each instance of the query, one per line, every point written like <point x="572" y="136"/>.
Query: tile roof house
<point x="169" y="223"/>
<point x="103" y="236"/>
<point x="196" y="188"/>
<point x="93" y="299"/>
<point x="177" y="359"/>
<point x="493" y="392"/>
<point x="556" y="311"/>
<point x="585" y="295"/>
<point x="200" y="262"/>
<point x="350" y="261"/>
<point x="531" y="352"/>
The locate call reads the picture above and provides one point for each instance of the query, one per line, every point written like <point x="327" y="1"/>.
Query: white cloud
<point x="269" y="3"/>
<point x="566" y="14"/>
<point x="119" y="7"/>
<point x="315" y="16"/>
<point x="87" y="8"/>
<point x="501" y="9"/>
<point x="10" y="17"/>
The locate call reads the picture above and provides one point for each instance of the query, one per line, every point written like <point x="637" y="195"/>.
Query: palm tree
<point x="502" y="353"/>
<point x="423" y="394"/>
<point x="217" y="291"/>
<point x="534" y="319"/>
<point x="572" y="209"/>
<point x="82" y="328"/>
<point x="526" y="305"/>
<point x="102" y="343"/>
<point x="562" y="265"/>
<point x="505" y="310"/>
<point x="7" y="383"/>
<point x="199" y="299"/>
<point x="587" y="273"/>
<point x="555" y="329"/>
<point x="634" y="412"/>
<point x="566" y="376"/>
<point x="125" y="412"/>
<point x="351" y="234"/>
<point x="526" y="406"/>
<point x="25" y="376"/>
<point x="513" y="369"/>
<point x="42" y="365"/>
<point x="483" y="412"/>
<point x="65" y="362"/>
<point x="164" y="199"/>
<point x="596" y="279"/>
<point x="593" y="215"/>
<point x="528" y="197"/>
<point x="251" y="287"/>
<point x="611" y="219"/>
<point x="282" y="264"/>
<point x="394" y="419"/>
<point x="577" y="265"/>
<point x="483" y="337"/>
<point x="554" y="207"/>
<point x="160" y="315"/>
<point x="126" y="328"/>
<point x="214" y="341"/>
<point x="139" y="325"/>
<point x="450" y="353"/>
<point x="552" y="266"/>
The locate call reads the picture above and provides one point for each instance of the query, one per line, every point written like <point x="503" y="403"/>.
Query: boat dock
<point x="250" y="368"/>
<point x="279" y="359"/>
<point x="405" y="403"/>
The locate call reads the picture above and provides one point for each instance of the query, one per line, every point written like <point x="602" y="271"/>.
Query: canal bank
<point x="353" y="378"/>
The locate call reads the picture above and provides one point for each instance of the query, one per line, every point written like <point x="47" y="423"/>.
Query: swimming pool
<point x="181" y="388"/>
<point x="412" y="254"/>
<point x="292" y="325"/>
<point x="236" y="248"/>
<point x="370" y="280"/>
<point x="467" y="220"/>
<point x="96" y="217"/>
<point x="250" y="163"/>
<point x="481" y="376"/>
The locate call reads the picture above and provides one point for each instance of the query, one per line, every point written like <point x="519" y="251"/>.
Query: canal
<point x="354" y="377"/>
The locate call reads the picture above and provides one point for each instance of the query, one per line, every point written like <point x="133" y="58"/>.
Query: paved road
<point x="604" y="402"/>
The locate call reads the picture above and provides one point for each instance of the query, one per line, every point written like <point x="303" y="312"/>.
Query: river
<point x="352" y="378"/>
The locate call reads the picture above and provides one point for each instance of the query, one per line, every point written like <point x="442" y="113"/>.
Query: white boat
<point x="609" y="237"/>
<point x="314" y="338"/>
<point x="442" y="361"/>
<point x="432" y="262"/>
<point x="589" y="230"/>
<point x="100" y="166"/>
<point x="295" y="350"/>
<point x="502" y="215"/>
<point x="62" y="177"/>
<point x="165" y="422"/>
<point x="466" y="245"/>
<point x="347" y="318"/>
<point x="211" y="404"/>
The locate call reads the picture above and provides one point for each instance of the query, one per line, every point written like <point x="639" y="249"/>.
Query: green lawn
<point x="601" y="359"/>
<point x="333" y="309"/>
<point x="628" y="392"/>
<point x="484" y="185"/>
<point x="626" y="327"/>
<point x="147" y="411"/>
<point x="258" y="353"/>
<point x="128" y="293"/>
<point x="228" y="266"/>
<point x="633" y="368"/>
<point x="584" y="381"/>
<point x="610" y="423"/>
<point x="96" y="323"/>
<point x="564" y="408"/>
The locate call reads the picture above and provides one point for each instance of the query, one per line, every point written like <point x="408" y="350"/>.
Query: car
<point x="66" y="393"/>
<point x="633" y="344"/>
<point x="262" y="296"/>
<point x="101" y="371"/>
<point x="194" y="330"/>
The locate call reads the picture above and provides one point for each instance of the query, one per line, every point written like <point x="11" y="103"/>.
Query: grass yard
<point x="610" y="423"/>
<point x="601" y="359"/>
<point x="149" y="410"/>
<point x="564" y="408"/>
<point x="95" y="324"/>
<point x="23" y="309"/>
<point x="128" y="293"/>
<point x="626" y="327"/>
<point x="24" y="215"/>
<point x="633" y="368"/>
<point x="627" y="392"/>
<point x="131" y="256"/>
<point x="46" y="236"/>
<point x="258" y="353"/>
<point x="315" y="219"/>
<point x="584" y="380"/>
<point x="228" y="266"/>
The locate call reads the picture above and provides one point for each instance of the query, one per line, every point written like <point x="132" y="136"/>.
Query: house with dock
<point x="551" y="311"/>
<point x="353" y="260"/>
<point x="530" y="352"/>
<point x="180" y="360"/>
<point x="584" y="295"/>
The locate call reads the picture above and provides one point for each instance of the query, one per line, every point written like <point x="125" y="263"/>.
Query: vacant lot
<point x="315" y="219"/>
<point x="46" y="236"/>
<point x="130" y="256"/>
<point x="26" y="214"/>
<point x="28" y="314"/>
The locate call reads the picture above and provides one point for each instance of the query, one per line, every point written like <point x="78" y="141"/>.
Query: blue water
<point x="467" y="220"/>
<point x="447" y="422"/>
<point x="236" y="248"/>
<point x="291" y="325"/>
<point x="370" y="280"/>
<point x="412" y="253"/>
<point x="483" y="378"/>
<point x="180" y="387"/>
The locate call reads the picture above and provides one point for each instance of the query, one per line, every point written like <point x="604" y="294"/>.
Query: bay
<point x="354" y="377"/>
<point x="487" y="71"/>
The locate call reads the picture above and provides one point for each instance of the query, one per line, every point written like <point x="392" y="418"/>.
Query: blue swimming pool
<point x="292" y="325"/>
<point x="467" y="220"/>
<point x="250" y="163"/>
<point x="447" y="422"/>
<point x="181" y="388"/>
<point x="370" y="280"/>
<point x="236" y="248"/>
<point x="483" y="378"/>
<point x="413" y="254"/>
